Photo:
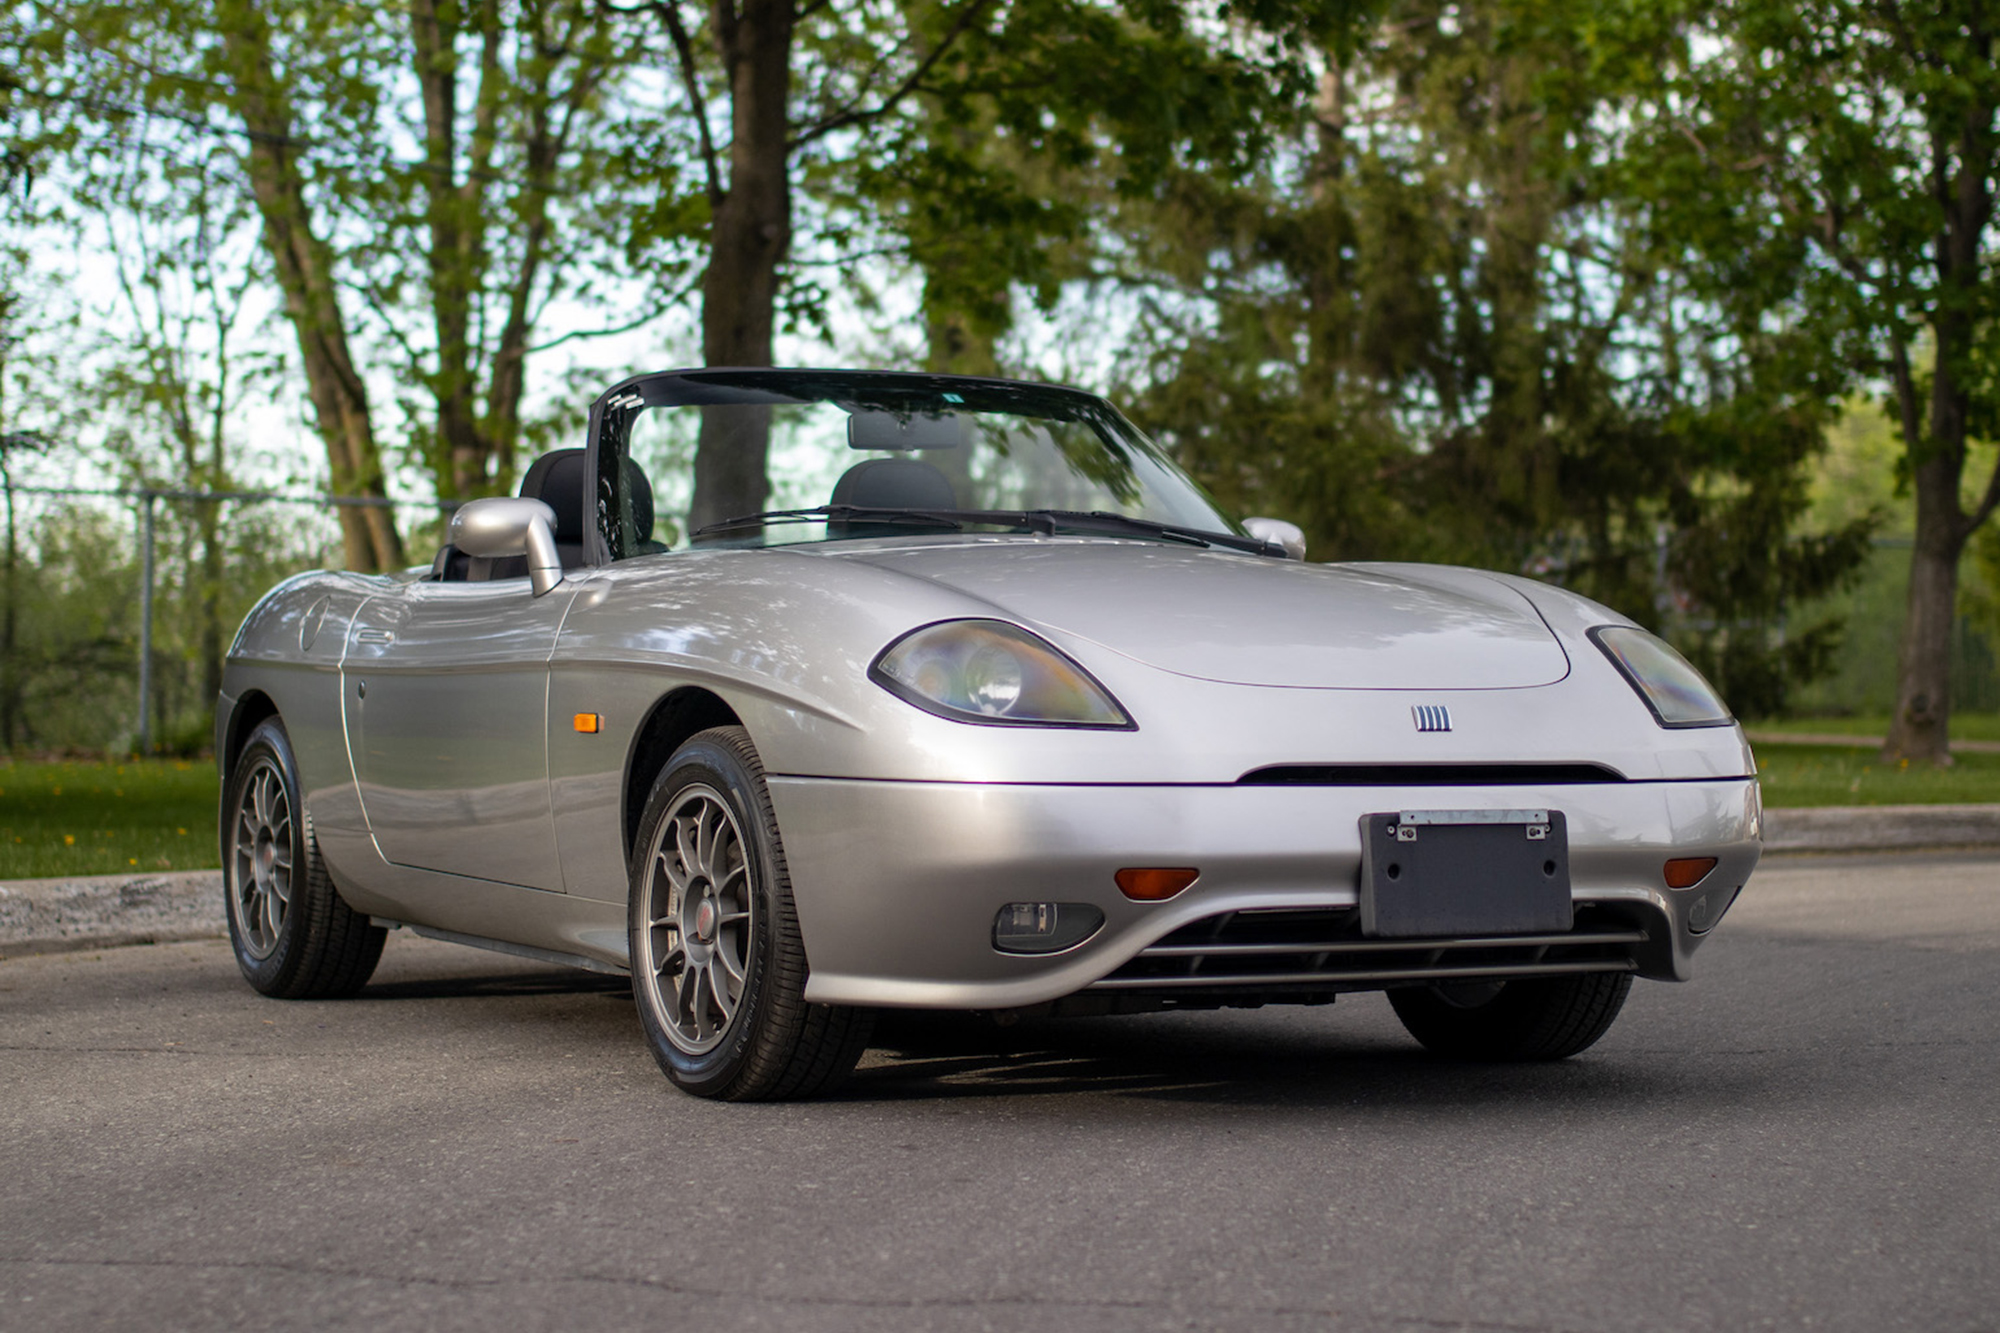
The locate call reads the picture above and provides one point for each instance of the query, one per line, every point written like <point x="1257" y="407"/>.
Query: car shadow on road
<point x="499" y="985"/>
<point x="946" y="1057"/>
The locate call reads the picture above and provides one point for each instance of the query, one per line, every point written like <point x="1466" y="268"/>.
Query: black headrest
<point x="558" y="479"/>
<point x="894" y="483"/>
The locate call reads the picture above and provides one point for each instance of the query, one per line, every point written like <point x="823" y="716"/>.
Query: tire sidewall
<point x="270" y="973"/>
<point x="706" y="763"/>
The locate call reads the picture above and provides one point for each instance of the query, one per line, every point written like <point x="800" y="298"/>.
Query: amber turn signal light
<point x="587" y="723"/>
<point x="1687" y="871"/>
<point x="1155" y="884"/>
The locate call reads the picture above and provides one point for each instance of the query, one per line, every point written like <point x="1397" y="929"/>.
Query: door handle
<point x="374" y="636"/>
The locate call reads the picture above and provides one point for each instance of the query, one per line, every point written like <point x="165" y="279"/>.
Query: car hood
<point x="1250" y="620"/>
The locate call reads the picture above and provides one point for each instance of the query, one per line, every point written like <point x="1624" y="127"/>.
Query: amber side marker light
<point x="1155" y="884"/>
<point x="1687" y="871"/>
<point x="587" y="723"/>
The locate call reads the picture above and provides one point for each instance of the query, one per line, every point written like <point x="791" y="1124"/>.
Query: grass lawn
<point x="1964" y="726"/>
<point x="1800" y="775"/>
<point x="62" y="818"/>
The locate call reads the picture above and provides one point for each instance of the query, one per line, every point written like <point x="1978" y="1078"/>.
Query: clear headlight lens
<point x="1672" y="688"/>
<point x="991" y="672"/>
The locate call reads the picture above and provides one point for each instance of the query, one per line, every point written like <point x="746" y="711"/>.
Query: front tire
<point x="293" y="935"/>
<point x="1539" y="1018"/>
<point x="718" y="968"/>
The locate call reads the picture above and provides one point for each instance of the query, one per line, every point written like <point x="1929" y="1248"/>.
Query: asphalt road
<point x="1807" y="1136"/>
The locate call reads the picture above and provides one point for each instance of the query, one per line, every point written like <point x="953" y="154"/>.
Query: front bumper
<point x="897" y="883"/>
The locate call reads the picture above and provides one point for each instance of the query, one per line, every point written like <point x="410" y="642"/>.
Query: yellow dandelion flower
<point x="183" y="832"/>
<point x="131" y="860"/>
<point x="69" y="839"/>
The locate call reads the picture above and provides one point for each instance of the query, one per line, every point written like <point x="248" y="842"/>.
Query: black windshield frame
<point x="612" y="415"/>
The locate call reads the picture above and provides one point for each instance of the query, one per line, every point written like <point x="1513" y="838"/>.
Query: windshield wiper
<point x="1045" y="521"/>
<point x="930" y="518"/>
<point x="1098" y="520"/>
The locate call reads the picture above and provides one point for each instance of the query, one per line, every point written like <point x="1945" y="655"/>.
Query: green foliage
<point x="1827" y="168"/>
<point x="76" y="656"/>
<point x="1439" y="323"/>
<point x="77" y="618"/>
<point x="1823" y="775"/>
<point x="90" y="818"/>
<point x="1870" y="728"/>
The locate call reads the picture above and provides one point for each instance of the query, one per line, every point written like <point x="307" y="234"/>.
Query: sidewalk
<point x="60" y="915"/>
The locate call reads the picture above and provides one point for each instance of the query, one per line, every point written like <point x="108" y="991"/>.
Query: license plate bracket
<point x="1442" y="873"/>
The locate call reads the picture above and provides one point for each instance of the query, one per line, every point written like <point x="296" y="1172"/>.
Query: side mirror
<point x="1278" y="533"/>
<point x="504" y="526"/>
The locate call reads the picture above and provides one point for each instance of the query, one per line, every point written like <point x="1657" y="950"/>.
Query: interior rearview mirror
<point x="868" y="428"/>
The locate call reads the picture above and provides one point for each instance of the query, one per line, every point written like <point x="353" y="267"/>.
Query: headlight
<point x="1674" y="690"/>
<point x="990" y="672"/>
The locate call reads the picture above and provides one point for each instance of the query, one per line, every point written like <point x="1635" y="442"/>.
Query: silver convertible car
<point x="986" y="707"/>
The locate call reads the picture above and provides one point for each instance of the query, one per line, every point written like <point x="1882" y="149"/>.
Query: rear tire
<point x="293" y="935"/>
<point x="1539" y="1018"/>
<point x="718" y="967"/>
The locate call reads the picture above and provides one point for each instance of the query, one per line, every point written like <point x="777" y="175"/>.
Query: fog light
<point x="1687" y="871"/>
<point x="1156" y="884"/>
<point x="1044" y="927"/>
<point x="1706" y="910"/>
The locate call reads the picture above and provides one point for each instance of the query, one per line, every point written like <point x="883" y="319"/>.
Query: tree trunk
<point x="1919" y="731"/>
<point x="10" y="676"/>
<point x="750" y="237"/>
<point x="544" y="142"/>
<point x="1920" y="728"/>
<point x="304" y="266"/>
<point x="455" y="215"/>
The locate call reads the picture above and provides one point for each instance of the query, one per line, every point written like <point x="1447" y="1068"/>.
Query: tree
<point x="541" y="176"/>
<point x="1442" y="325"/>
<point x="178" y="235"/>
<point x="959" y="118"/>
<point x="1832" y="166"/>
<point x="16" y="182"/>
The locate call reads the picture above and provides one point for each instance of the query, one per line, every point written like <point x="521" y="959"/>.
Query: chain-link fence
<point x="118" y="604"/>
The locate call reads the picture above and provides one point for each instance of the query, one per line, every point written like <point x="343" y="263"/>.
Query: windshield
<point x="715" y="458"/>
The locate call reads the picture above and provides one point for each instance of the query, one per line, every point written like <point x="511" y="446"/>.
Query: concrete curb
<point x="1881" y="828"/>
<point x="62" y="915"/>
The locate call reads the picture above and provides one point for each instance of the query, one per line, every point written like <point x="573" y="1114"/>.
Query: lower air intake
<point x="1323" y="950"/>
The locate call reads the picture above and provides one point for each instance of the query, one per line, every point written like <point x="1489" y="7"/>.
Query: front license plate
<point x="1433" y="873"/>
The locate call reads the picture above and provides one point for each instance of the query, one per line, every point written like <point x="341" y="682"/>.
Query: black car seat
<point x="890" y="483"/>
<point x="559" y="479"/>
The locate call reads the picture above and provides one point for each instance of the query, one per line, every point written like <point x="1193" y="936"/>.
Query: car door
<point x="446" y="690"/>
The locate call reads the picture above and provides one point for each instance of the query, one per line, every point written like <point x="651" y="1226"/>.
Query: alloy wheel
<point x="698" y="904"/>
<point x="261" y="867"/>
